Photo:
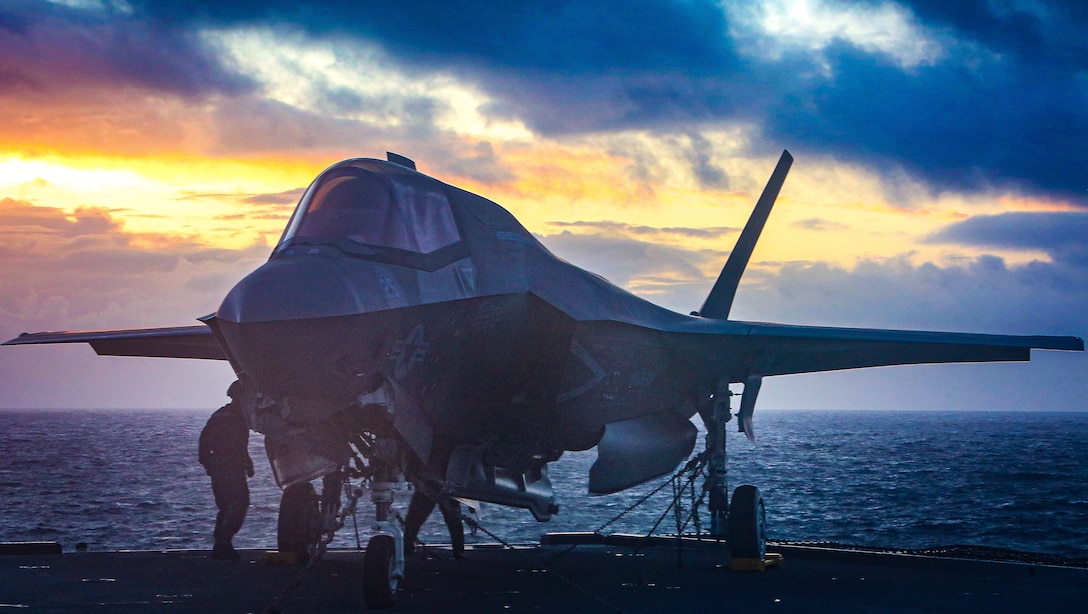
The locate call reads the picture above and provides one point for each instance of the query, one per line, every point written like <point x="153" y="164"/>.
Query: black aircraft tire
<point x="747" y="524"/>
<point x="298" y="526"/>
<point x="379" y="584"/>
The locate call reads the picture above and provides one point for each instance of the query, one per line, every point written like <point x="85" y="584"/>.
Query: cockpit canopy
<point x="363" y="203"/>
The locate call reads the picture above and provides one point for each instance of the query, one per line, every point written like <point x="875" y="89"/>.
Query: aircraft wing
<point x="780" y="349"/>
<point x="173" y="342"/>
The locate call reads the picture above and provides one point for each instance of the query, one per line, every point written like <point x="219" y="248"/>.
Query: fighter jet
<point x="408" y="331"/>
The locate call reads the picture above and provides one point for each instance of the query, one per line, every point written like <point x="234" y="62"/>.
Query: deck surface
<point x="584" y="578"/>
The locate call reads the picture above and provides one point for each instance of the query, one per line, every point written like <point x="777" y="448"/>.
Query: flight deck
<point x="625" y="575"/>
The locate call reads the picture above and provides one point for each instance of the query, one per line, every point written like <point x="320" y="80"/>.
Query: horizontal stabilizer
<point x="720" y="300"/>
<point x="173" y="342"/>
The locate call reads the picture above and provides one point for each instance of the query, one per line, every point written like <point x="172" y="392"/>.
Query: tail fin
<point x="720" y="301"/>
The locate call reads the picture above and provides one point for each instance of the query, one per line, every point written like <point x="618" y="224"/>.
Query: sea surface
<point x="129" y="480"/>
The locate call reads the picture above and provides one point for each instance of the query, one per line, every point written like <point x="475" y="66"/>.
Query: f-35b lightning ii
<point x="405" y="330"/>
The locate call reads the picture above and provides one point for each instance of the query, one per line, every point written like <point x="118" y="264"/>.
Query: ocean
<point x="129" y="480"/>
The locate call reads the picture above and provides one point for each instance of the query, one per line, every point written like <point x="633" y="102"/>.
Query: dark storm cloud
<point x="1002" y="109"/>
<point x="1062" y="234"/>
<point x="1051" y="31"/>
<point x="1011" y="117"/>
<point x="49" y="48"/>
<point x="551" y="36"/>
<point x="1001" y="126"/>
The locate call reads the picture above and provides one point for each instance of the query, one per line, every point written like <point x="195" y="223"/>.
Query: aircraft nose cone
<point x="291" y="289"/>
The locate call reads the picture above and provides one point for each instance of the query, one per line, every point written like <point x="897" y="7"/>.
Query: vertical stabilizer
<point x="720" y="301"/>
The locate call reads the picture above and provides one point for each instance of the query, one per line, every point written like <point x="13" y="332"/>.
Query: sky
<point x="151" y="152"/>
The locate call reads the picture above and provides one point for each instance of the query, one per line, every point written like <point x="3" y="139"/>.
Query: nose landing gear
<point x="308" y="522"/>
<point x="383" y="564"/>
<point x="381" y="572"/>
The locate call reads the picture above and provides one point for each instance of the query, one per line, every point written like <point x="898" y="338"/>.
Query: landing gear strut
<point x="741" y="522"/>
<point x="383" y="564"/>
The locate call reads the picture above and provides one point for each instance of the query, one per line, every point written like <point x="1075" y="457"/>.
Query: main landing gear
<point x="307" y="520"/>
<point x="747" y="524"/>
<point x="742" y="521"/>
<point x="298" y="530"/>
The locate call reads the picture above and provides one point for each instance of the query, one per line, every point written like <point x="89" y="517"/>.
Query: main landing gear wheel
<point x="747" y="524"/>
<point x="299" y="527"/>
<point x="379" y="573"/>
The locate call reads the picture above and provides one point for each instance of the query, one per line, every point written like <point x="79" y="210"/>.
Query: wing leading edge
<point x="173" y="342"/>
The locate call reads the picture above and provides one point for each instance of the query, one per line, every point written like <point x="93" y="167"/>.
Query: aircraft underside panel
<point x="472" y="476"/>
<point x="616" y="372"/>
<point x="639" y="449"/>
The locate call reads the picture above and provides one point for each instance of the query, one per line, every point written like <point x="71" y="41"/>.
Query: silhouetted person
<point x="224" y="452"/>
<point x="420" y="507"/>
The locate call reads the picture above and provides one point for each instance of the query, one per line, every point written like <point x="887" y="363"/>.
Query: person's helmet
<point x="236" y="389"/>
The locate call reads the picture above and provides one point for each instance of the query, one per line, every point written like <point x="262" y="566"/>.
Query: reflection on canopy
<point x="377" y="210"/>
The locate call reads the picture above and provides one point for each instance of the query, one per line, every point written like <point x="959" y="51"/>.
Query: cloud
<point x="670" y="276"/>
<point x="1004" y="126"/>
<point x="552" y="36"/>
<point x="815" y="223"/>
<point x="83" y="270"/>
<point x="967" y="97"/>
<point x="1062" y="234"/>
<point x="980" y="295"/>
<point x="24" y="217"/>
<point x="983" y="294"/>
<point x="699" y="156"/>
<point x="774" y="28"/>
<point x="289" y="197"/>
<point x="1049" y="32"/>
<point x="621" y="229"/>
<point x="52" y="49"/>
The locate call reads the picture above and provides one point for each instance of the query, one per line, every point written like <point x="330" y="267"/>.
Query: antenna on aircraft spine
<point x="720" y="300"/>
<point x="396" y="158"/>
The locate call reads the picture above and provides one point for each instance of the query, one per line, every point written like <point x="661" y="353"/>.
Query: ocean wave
<point x="896" y="479"/>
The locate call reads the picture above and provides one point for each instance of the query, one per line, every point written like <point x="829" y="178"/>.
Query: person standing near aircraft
<point x="420" y="507"/>
<point x="224" y="453"/>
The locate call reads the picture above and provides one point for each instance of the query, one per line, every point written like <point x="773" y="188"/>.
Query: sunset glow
<point x="168" y="147"/>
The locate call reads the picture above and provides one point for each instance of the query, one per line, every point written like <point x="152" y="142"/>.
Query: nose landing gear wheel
<point x="379" y="573"/>
<point x="747" y="524"/>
